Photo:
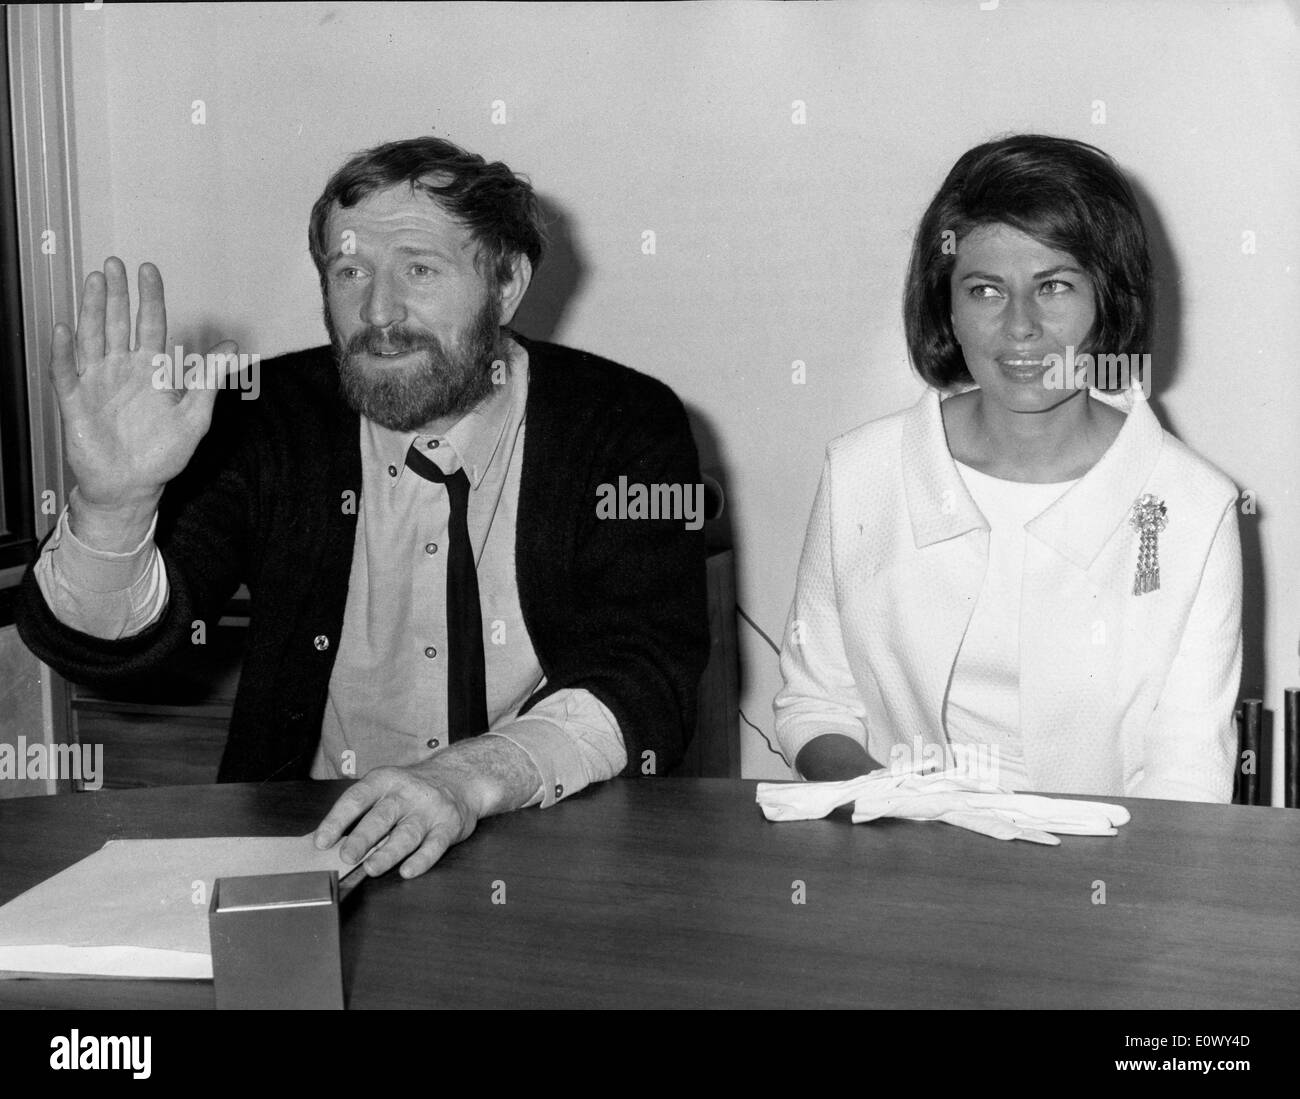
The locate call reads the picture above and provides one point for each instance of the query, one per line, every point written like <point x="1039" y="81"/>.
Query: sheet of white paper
<point x="139" y="908"/>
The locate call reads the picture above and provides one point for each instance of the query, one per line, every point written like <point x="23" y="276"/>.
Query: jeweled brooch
<point x="1149" y="517"/>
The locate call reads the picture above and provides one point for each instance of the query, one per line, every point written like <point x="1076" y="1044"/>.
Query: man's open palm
<point x="125" y="436"/>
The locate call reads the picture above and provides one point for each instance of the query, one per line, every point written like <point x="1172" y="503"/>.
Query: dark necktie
<point x="466" y="678"/>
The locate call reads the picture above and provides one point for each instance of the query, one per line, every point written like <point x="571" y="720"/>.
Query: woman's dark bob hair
<point x="1065" y="194"/>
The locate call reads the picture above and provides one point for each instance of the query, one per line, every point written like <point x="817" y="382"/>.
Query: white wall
<point x="775" y="241"/>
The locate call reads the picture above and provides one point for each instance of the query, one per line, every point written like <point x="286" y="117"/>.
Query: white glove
<point x="950" y="796"/>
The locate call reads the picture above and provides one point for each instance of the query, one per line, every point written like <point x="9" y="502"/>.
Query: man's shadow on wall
<point x="556" y="283"/>
<point x="558" y="280"/>
<point x="1166" y="355"/>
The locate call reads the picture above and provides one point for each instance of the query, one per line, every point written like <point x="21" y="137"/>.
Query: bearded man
<point x="438" y="611"/>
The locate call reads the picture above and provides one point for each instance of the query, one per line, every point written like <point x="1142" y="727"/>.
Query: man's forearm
<point x="572" y="739"/>
<point x="491" y="773"/>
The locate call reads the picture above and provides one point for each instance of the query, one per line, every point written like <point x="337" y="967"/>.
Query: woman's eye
<point x="1061" y="286"/>
<point x="978" y="291"/>
<point x="347" y="274"/>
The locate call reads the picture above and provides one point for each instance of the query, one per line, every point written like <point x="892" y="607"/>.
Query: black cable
<point x="762" y="734"/>
<point x="741" y="611"/>
<point x="759" y="630"/>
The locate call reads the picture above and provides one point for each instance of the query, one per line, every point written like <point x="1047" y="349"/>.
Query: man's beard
<point x="440" y="383"/>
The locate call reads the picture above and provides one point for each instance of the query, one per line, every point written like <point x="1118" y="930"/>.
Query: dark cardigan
<point x="615" y="606"/>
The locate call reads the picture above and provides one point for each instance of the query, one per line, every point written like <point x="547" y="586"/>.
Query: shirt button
<point x="434" y="743"/>
<point x="430" y="652"/>
<point x="559" y="790"/>
<point x="432" y="444"/>
<point x="392" y="471"/>
<point x="321" y="642"/>
<point x="431" y="547"/>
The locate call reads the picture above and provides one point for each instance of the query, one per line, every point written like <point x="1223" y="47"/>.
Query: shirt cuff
<point x="572" y="739"/>
<point x="99" y="592"/>
<point x="95" y="570"/>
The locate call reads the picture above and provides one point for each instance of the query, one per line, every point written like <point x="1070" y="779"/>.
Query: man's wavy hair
<point x="1065" y="194"/>
<point x="497" y="206"/>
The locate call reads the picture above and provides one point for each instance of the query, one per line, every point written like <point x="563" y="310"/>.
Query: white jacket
<point x="1121" y="694"/>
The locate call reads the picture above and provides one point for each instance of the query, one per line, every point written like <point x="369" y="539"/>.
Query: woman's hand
<point x="832" y="757"/>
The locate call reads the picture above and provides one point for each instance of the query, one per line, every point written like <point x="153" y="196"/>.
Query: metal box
<point x="275" y="941"/>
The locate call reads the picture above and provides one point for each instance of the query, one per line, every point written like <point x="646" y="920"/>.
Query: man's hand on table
<point x="425" y="808"/>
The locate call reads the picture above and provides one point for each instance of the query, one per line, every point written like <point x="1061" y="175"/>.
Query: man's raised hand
<point x="124" y="436"/>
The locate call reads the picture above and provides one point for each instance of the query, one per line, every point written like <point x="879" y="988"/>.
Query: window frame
<point x="17" y="513"/>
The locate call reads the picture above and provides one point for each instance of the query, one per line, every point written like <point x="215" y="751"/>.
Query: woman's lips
<point x="1022" y="371"/>
<point x="1025" y="362"/>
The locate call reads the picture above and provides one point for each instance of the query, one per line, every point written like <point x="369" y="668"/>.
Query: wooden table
<point x="677" y="893"/>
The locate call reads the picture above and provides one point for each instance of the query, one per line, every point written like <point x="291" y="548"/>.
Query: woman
<point x="1028" y="572"/>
